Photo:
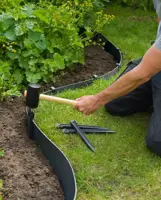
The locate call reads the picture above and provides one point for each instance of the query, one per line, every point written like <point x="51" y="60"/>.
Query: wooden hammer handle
<point x="55" y="99"/>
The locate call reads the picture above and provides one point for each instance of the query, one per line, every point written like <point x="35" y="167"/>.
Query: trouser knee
<point x="116" y="108"/>
<point x="110" y="108"/>
<point x="113" y="109"/>
<point x="154" y="146"/>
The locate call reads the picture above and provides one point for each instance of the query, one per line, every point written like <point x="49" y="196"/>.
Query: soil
<point x="26" y="173"/>
<point x="97" y="62"/>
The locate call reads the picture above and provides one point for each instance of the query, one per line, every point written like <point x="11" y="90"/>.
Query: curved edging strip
<point x="110" y="48"/>
<point x="56" y="157"/>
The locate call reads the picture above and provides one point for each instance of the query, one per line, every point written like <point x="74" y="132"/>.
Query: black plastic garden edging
<point x="110" y="48"/>
<point x="56" y="157"/>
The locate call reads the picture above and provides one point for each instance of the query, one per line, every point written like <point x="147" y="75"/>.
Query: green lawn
<point x="1" y="181"/>
<point x="1" y="188"/>
<point x="131" y="31"/>
<point x="121" y="168"/>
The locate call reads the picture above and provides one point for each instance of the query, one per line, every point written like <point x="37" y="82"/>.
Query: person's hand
<point x="87" y="104"/>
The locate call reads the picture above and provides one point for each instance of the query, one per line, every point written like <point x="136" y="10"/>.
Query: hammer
<point x="33" y="95"/>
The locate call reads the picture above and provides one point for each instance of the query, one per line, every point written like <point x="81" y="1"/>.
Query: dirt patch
<point x="26" y="173"/>
<point x="97" y="62"/>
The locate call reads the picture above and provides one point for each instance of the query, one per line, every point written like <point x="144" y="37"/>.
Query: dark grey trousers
<point x="139" y="100"/>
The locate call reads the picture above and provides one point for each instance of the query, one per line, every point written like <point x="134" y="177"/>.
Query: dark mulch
<point x="26" y="173"/>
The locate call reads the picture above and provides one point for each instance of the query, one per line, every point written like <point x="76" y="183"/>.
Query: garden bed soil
<point x="97" y="62"/>
<point x="26" y="173"/>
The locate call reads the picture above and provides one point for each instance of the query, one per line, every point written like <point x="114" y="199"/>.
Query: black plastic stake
<point x="82" y="135"/>
<point x="61" y="126"/>
<point x="30" y="117"/>
<point x="90" y="130"/>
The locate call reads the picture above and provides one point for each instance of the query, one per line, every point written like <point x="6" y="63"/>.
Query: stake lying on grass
<point x="67" y="129"/>
<point x="33" y="95"/>
<point x="32" y="100"/>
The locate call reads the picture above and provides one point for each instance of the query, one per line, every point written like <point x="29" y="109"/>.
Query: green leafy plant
<point x="97" y="4"/>
<point x="1" y="188"/>
<point x="7" y="84"/>
<point x="38" y="40"/>
<point x="1" y="181"/>
<point x="10" y="4"/>
<point x="1" y="155"/>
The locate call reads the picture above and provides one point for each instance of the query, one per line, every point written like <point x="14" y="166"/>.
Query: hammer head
<point x="32" y="97"/>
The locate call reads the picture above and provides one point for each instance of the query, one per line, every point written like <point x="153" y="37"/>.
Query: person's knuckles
<point x="81" y="110"/>
<point x="76" y="107"/>
<point x="78" y="99"/>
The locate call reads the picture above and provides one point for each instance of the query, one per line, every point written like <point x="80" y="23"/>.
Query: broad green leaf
<point x="28" y="9"/>
<point x="12" y="56"/>
<point x="19" y="30"/>
<point x="34" y="51"/>
<point x="89" y="32"/>
<point x="49" y="65"/>
<point x="43" y="15"/>
<point x="29" y="24"/>
<point x="18" y="76"/>
<point x="59" y="60"/>
<point x="1" y="27"/>
<point x="37" y="29"/>
<point x="7" y="23"/>
<point x="34" y="36"/>
<point x="28" y="43"/>
<point x="80" y="58"/>
<point x="41" y="44"/>
<point x="20" y="15"/>
<point x="27" y="53"/>
<point x="23" y="62"/>
<point x="10" y="34"/>
<point x="4" y="69"/>
<point x="32" y="64"/>
<point x="13" y="91"/>
<point x="1" y="155"/>
<point x="33" y="77"/>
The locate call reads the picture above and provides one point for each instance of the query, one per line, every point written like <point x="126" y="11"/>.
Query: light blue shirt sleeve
<point x="158" y="39"/>
<point x="157" y="6"/>
<point x="158" y="43"/>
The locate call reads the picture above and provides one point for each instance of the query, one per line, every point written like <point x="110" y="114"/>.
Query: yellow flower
<point x="14" y="51"/>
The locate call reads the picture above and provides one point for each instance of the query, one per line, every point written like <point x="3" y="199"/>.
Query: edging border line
<point x="110" y="48"/>
<point x="56" y="157"/>
<point x="82" y="83"/>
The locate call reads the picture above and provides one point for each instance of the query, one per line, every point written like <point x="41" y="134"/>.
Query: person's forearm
<point x="122" y="86"/>
<point x="150" y="65"/>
